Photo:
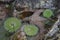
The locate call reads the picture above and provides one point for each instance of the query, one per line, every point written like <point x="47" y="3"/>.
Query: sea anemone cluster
<point x="30" y="19"/>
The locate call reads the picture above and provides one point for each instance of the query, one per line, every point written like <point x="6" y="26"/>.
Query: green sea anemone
<point x="30" y="30"/>
<point x="12" y="24"/>
<point x="47" y="13"/>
